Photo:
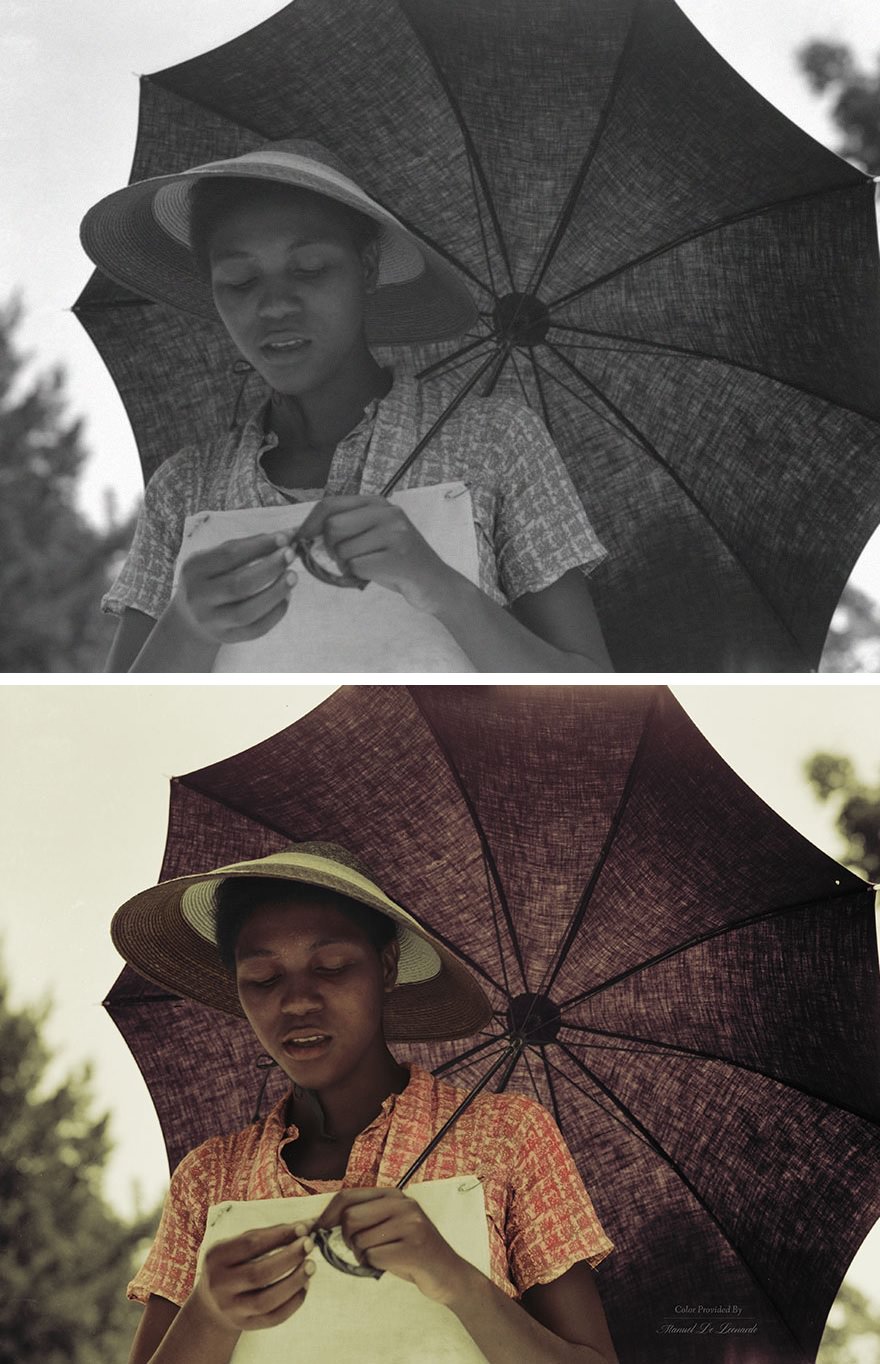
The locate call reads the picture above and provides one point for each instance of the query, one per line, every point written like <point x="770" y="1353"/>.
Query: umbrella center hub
<point x="521" y="319"/>
<point x="534" y="1018"/>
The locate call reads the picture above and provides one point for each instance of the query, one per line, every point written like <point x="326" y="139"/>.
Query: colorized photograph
<point x="469" y="1024"/>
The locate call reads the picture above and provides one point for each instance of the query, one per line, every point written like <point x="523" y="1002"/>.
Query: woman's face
<point x="290" y="286"/>
<point x="313" y="986"/>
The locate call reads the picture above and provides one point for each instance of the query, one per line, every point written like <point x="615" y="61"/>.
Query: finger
<point x="330" y="506"/>
<point x="249" y="1245"/>
<point x="285" y="1295"/>
<point x="343" y="525"/>
<point x="242" y="550"/>
<point x="260" y="628"/>
<point x="271" y="1268"/>
<point x="251" y="613"/>
<point x="347" y="1198"/>
<point x="240" y="584"/>
<point x="373" y="541"/>
<point x="279" y="1315"/>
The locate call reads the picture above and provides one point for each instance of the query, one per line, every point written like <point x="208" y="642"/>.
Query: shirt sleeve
<point x="146" y="579"/>
<point x="542" y="529"/>
<point x="551" y="1221"/>
<point x="170" y="1267"/>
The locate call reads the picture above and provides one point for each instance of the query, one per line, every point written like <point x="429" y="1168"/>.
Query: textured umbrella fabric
<point x="695" y="983"/>
<point x="683" y="283"/>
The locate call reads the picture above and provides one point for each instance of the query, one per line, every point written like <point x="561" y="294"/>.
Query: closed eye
<point x="261" y="984"/>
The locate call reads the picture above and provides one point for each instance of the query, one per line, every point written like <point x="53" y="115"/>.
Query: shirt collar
<point x="420" y="1084"/>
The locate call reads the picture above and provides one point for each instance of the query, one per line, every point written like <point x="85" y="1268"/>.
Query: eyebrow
<point x="294" y="246"/>
<point x="312" y="947"/>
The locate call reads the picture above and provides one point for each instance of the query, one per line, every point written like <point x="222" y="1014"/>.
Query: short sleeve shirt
<point x="530" y="524"/>
<point x="540" y="1217"/>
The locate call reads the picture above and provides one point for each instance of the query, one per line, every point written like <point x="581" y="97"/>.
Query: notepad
<point x="365" y="1321"/>
<point x="333" y="629"/>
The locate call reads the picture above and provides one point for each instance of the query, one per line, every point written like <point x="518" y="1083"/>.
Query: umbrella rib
<point x="652" y="1044"/>
<point x="473" y="342"/>
<point x="580" y="909"/>
<point x="687" y="237"/>
<point x="664" y="1155"/>
<point x="466" y="1055"/>
<point x="443" y="367"/>
<point x="441" y="421"/>
<point x="638" y="345"/>
<point x="488" y="858"/>
<point x="650" y="449"/>
<point x="540" y="387"/>
<point x="557" y="1112"/>
<point x="563" y="218"/>
<point x="697" y="941"/>
<point x="602" y="414"/>
<point x="474" y="162"/>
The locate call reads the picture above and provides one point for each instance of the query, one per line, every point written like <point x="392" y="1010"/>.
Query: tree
<point x="853" y="643"/>
<point x="834" y="778"/>
<point x="65" y="1256"/>
<point x="856" y="109"/>
<point x="852" y="1335"/>
<point x="55" y="564"/>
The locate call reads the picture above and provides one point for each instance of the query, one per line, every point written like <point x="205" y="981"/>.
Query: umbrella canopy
<point x="683" y="283"/>
<point x="696" y="983"/>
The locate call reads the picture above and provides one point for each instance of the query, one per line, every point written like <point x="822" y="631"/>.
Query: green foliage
<point x="65" y="1256"/>
<point x="834" y="778"/>
<point x="831" y="67"/>
<point x="852" y="1335"/>
<point x="55" y="564"/>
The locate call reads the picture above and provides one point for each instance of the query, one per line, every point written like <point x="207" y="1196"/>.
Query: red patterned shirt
<point x="540" y="1218"/>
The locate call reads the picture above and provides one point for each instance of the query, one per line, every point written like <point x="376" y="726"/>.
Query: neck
<point x="317" y="421"/>
<point x="351" y="1105"/>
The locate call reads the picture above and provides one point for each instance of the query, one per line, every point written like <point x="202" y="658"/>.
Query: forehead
<point x="279" y="213"/>
<point x="299" y="922"/>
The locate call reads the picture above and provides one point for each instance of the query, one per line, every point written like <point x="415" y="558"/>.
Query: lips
<point x="303" y="1046"/>
<point x="283" y="345"/>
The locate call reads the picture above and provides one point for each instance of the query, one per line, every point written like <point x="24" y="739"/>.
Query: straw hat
<point x="140" y="237"/>
<point x="167" y="933"/>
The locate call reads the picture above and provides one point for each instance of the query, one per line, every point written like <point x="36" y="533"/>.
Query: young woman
<point x="306" y="272"/>
<point x="322" y="964"/>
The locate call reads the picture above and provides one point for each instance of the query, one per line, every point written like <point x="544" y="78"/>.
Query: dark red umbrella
<point x="683" y="283"/>
<point x="697" y="985"/>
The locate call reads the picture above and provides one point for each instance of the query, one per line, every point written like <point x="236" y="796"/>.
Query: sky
<point x="68" y="121"/>
<point x="84" y="827"/>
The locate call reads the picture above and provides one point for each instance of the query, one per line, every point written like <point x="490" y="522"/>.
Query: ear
<point x="390" y="956"/>
<point x="370" y="266"/>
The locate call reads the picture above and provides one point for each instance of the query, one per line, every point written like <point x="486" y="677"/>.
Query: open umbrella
<point x="680" y="280"/>
<point x="695" y="983"/>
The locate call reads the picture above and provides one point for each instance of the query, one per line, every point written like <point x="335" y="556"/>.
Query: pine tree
<point x="65" y="1255"/>
<point x="55" y="565"/>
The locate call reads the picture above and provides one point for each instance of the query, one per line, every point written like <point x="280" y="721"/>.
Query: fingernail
<point x="309" y="1244"/>
<point x="280" y="538"/>
<point x="288" y="556"/>
<point x="290" y="575"/>
<point x="309" y="1267"/>
<point x="300" y="1228"/>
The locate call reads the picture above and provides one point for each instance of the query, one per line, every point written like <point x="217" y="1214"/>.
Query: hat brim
<point x="125" y="238"/>
<point x="155" y="936"/>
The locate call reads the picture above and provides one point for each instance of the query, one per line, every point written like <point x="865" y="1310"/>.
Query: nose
<point x="300" y="996"/>
<point x="279" y="299"/>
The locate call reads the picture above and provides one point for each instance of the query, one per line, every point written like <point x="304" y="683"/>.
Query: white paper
<point x="339" y="629"/>
<point x="365" y="1321"/>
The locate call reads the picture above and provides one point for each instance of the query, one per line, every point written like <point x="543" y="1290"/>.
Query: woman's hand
<point x="257" y="1279"/>
<point x="236" y="591"/>
<point x="375" y="540"/>
<point x="388" y="1230"/>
